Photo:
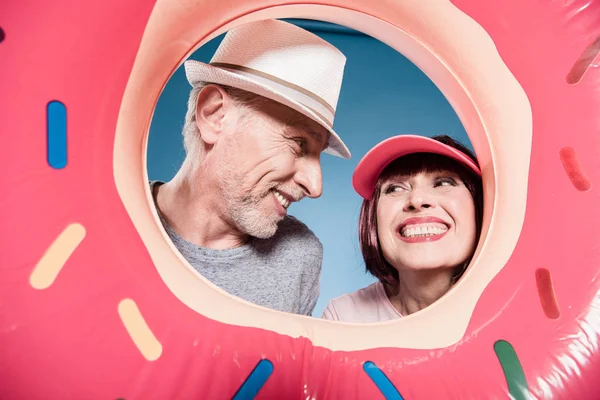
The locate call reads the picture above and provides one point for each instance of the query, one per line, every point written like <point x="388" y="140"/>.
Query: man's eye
<point x="301" y="144"/>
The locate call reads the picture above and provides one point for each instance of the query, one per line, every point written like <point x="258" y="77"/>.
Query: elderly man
<point x="259" y="116"/>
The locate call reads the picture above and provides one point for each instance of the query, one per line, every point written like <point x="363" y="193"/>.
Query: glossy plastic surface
<point x="95" y="304"/>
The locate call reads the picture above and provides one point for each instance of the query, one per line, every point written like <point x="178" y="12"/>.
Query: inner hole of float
<point x="383" y="94"/>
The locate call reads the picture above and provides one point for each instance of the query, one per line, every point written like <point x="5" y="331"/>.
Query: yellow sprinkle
<point x="47" y="269"/>
<point x="139" y="331"/>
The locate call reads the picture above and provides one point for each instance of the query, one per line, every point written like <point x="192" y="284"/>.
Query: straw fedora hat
<point x="284" y="63"/>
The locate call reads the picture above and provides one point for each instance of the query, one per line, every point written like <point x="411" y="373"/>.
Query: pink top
<point x="369" y="304"/>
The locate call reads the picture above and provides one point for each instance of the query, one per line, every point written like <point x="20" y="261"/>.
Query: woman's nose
<point x="419" y="199"/>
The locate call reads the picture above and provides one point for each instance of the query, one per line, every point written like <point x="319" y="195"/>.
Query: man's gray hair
<point x="192" y="137"/>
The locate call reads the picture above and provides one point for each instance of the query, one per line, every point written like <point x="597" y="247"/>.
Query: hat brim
<point x="197" y="72"/>
<point x="374" y="162"/>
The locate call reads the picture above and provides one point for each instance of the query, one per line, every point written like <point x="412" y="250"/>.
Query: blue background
<point x="383" y="94"/>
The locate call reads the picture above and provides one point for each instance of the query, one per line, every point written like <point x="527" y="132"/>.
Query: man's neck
<point x="195" y="214"/>
<point x="419" y="289"/>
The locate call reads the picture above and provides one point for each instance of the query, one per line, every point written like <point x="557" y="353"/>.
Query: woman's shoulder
<point x="368" y="304"/>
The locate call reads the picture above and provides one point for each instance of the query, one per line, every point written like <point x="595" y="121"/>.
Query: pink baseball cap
<point x="374" y="162"/>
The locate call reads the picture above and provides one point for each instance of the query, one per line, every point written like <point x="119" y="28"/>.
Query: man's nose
<point x="309" y="177"/>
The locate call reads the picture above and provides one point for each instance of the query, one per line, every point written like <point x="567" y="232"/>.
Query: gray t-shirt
<point x="280" y="273"/>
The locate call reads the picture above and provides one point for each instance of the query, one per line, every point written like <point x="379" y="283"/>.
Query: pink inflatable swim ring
<point x="96" y="303"/>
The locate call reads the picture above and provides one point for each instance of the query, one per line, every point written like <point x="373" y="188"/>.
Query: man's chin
<point x="263" y="229"/>
<point x="263" y="233"/>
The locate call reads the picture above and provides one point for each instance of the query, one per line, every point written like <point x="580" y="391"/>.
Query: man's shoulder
<point x="292" y="226"/>
<point x="290" y="222"/>
<point x="292" y="234"/>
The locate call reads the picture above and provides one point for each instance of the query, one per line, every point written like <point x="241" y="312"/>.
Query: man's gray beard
<point x="250" y="221"/>
<point x="244" y="208"/>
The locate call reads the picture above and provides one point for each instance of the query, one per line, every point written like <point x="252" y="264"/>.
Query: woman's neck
<point x="418" y="289"/>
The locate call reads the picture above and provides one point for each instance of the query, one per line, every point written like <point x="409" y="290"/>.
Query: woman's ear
<point x="211" y="111"/>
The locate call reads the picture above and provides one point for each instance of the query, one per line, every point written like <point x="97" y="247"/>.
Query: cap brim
<point x="197" y="72"/>
<point x="374" y="162"/>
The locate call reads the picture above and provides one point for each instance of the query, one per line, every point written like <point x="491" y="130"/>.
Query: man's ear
<point x="211" y="109"/>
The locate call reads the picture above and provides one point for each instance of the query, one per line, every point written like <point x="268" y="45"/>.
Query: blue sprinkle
<point x="383" y="383"/>
<point x="56" y="120"/>
<point x="255" y="381"/>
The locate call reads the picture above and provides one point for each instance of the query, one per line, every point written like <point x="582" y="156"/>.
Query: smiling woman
<point x="419" y="225"/>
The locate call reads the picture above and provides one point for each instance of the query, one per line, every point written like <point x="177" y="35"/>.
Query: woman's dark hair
<point x="410" y="165"/>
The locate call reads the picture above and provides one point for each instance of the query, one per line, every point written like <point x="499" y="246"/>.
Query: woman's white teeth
<point x="282" y="200"/>
<point x="423" y="231"/>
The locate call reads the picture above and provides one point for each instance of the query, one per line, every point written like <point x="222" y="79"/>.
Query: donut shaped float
<point x="96" y="303"/>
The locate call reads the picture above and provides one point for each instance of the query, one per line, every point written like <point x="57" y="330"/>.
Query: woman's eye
<point x="395" y="188"/>
<point x="445" y="182"/>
